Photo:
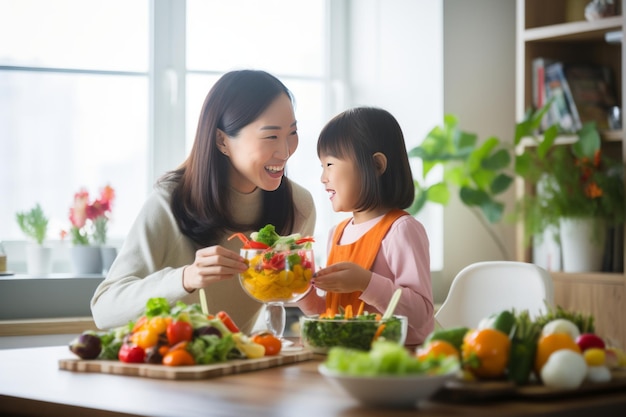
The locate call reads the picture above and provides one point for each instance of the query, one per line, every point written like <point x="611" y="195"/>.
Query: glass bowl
<point x="277" y="276"/>
<point x="320" y="334"/>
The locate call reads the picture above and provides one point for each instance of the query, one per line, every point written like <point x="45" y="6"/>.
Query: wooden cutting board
<point x="185" y="372"/>
<point x="468" y="391"/>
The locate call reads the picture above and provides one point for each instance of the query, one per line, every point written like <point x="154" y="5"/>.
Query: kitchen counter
<point x="31" y="384"/>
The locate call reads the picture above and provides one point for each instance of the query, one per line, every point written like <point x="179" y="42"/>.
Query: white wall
<point x="479" y="88"/>
<point x="396" y="62"/>
<point x="473" y="77"/>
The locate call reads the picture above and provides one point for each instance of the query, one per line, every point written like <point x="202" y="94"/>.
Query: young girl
<point x="381" y="247"/>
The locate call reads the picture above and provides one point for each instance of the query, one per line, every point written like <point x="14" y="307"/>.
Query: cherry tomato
<point x="228" y="322"/>
<point x="271" y="343"/>
<point x="179" y="331"/>
<point x="178" y="357"/>
<point x="131" y="354"/>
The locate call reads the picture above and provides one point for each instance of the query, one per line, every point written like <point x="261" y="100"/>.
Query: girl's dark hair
<point x="200" y="197"/>
<point x="357" y="134"/>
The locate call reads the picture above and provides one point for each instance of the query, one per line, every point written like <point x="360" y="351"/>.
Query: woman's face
<point x="259" y="153"/>
<point x="341" y="180"/>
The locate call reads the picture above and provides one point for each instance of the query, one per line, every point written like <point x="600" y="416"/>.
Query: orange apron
<point x="362" y="252"/>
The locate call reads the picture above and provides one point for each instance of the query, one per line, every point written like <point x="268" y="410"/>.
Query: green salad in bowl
<point x="388" y="375"/>
<point x="319" y="334"/>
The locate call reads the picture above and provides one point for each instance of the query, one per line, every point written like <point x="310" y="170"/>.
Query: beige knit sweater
<point x="151" y="262"/>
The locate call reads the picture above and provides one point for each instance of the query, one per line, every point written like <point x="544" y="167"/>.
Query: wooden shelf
<point x="556" y="30"/>
<point x="574" y="31"/>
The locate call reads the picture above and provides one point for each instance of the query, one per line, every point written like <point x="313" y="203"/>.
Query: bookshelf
<point x="558" y="30"/>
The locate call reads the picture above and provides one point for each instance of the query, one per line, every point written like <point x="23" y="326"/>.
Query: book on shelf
<point x="564" y="110"/>
<point x="539" y="87"/>
<point x="593" y="92"/>
<point x="613" y="259"/>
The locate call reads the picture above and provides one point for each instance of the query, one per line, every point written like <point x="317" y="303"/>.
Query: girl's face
<point x="341" y="180"/>
<point x="259" y="153"/>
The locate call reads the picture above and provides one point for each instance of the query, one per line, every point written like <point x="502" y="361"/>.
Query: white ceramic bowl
<point x="404" y="391"/>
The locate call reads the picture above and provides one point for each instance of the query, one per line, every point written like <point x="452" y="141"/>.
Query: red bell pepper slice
<point x="305" y="240"/>
<point x="247" y="243"/>
<point x="228" y="321"/>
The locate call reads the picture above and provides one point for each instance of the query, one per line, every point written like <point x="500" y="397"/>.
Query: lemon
<point x="594" y="356"/>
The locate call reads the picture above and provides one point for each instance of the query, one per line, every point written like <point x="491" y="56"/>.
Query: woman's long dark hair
<point x="200" y="196"/>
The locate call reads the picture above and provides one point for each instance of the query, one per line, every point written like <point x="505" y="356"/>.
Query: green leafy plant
<point x="574" y="178"/>
<point x="33" y="223"/>
<point x="480" y="171"/>
<point x="571" y="179"/>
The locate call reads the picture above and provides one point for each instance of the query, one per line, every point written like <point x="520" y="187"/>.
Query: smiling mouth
<point x="274" y="169"/>
<point x="331" y="193"/>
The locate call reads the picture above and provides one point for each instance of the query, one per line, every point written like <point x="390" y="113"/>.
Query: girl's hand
<point x="212" y="264"/>
<point x="342" y="277"/>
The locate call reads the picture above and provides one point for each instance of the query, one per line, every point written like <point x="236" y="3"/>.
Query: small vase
<point x="582" y="244"/>
<point x="38" y="260"/>
<point x="86" y="259"/>
<point x="108" y="256"/>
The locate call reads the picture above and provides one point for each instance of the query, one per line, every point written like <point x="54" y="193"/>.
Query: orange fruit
<point x="437" y="348"/>
<point x="551" y="343"/>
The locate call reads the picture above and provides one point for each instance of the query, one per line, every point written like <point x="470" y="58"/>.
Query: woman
<point x="232" y="181"/>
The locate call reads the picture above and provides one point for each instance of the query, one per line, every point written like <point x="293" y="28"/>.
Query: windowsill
<point x="51" y="276"/>
<point x="38" y="327"/>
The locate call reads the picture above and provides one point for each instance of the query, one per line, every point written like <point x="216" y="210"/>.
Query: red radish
<point x="589" y="340"/>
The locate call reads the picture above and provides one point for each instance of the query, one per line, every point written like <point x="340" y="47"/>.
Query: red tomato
<point x="228" y="322"/>
<point x="271" y="343"/>
<point x="131" y="354"/>
<point x="179" y="331"/>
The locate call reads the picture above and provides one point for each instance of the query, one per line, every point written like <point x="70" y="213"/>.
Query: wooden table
<point x="32" y="385"/>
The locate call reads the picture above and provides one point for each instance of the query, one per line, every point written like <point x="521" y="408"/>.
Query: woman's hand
<point x="342" y="277"/>
<point x="212" y="264"/>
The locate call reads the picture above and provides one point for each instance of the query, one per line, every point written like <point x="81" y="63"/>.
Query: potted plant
<point x="89" y="221"/>
<point x="34" y="224"/>
<point x="480" y="172"/>
<point x="575" y="185"/>
<point x="575" y="180"/>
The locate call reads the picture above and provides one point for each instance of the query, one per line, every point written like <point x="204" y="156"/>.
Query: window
<point x="73" y="107"/>
<point x="97" y="93"/>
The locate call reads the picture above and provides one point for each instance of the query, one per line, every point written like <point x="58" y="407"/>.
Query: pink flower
<point x="79" y="213"/>
<point x="89" y="219"/>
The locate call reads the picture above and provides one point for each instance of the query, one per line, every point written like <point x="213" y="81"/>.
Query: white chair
<point x="483" y="288"/>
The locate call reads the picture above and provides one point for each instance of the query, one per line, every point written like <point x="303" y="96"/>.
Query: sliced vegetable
<point x="228" y="322"/>
<point x="247" y="347"/>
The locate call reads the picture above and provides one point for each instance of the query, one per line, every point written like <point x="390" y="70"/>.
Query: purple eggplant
<point x="86" y="346"/>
